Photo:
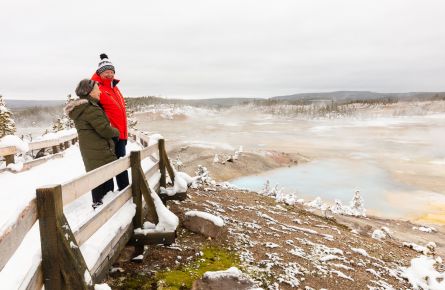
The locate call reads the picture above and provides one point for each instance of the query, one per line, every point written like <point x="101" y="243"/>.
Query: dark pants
<point x="119" y="148"/>
<point x="100" y="191"/>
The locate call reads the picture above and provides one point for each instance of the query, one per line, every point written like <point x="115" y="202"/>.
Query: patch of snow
<point x="341" y="275"/>
<point x="421" y="274"/>
<point x="361" y="252"/>
<point x="103" y="286"/>
<point x="168" y="221"/>
<point x="16" y="167"/>
<point x="87" y="277"/>
<point x="425" y="229"/>
<point x="232" y="272"/>
<point x="138" y="258"/>
<point x="271" y="245"/>
<point x="11" y="140"/>
<point x="378" y="235"/>
<point x="418" y="248"/>
<point x="207" y="216"/>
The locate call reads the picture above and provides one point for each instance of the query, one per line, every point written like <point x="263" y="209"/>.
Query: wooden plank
<point x="55" y="149"/>
<point x="178" y="196"/>
<point x="74" y="270"/>
<point x="105" y="258"/>
<point x="49" y="143"/>
<point x="152" y="171"/>
<point x="154" y="238"/>
<point x="10" y="150"/>
<point x="169" y="167"/>
<point x="33" y="163"/>
<point x="38" y="145"/>
<point x="161" y="145"/>
<point x="33" y="280"/>
<point x="147" y="151"/>
<point x="12" y="237"/>
<point x="9" y="159"/>
<point x="92" y="225"/>
<point x="50" y="208"/>
<point x="72" y="190"/>
<point x="152" y="214"/>
<point x="135" y="185"/>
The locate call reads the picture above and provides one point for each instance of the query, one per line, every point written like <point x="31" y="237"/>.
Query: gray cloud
<point x="208" y="48"/>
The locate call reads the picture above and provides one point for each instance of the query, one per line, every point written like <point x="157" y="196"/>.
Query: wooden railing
<point x="63" y="266"/>
<point x="56" y="145"/>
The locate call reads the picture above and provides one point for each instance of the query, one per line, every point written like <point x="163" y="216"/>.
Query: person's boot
<point x="97" y="204"/>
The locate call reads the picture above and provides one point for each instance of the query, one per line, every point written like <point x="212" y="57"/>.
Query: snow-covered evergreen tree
<point x="357" y="205"/>
<point x="58" y="125"/>
<point x="131" y="120"/>
<point x="68" y="123"/>
<point x="178" y="163"/>
<point x="7" y="124"/>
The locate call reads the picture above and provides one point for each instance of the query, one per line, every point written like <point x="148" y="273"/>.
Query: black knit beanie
<point x="104" y="64"/>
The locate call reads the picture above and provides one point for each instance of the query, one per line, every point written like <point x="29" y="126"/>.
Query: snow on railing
<point x="11" y="145"/>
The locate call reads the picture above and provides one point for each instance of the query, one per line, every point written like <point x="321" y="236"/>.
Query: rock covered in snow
<point x="231" y="278"/>
<point x="425" y="229"/>
<point x="203" y="223"/>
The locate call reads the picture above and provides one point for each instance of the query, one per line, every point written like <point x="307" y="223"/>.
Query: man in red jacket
<point x="112" y="101"/>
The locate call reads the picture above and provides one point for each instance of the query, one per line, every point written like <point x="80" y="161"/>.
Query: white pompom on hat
<point x="104" y="64"/>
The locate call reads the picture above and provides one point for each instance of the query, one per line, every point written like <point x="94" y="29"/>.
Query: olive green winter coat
<point x="94" y="131"/>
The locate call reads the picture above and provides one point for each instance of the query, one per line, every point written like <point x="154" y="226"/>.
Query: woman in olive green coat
<point x="95" y="133"/>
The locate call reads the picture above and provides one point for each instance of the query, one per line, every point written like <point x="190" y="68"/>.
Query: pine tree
<point x="58" y="125"/>
<point x="357" y="205"/>
<point x="66" y="120"/>
<point x="7" y="124"/>
<point x="132" y="122"/>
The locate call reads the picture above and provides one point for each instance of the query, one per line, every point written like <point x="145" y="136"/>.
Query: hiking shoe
<point x="97" y="204"/>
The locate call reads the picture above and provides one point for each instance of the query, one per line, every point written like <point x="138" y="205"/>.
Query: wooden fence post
<point x="9" y="159"/>
<point x="135" y="161"/>
<point x="62" y="262"/>
<point x="161" y="146"/>
<point x="66" y="145"/>
<point x="49" y="208"/>
<point x="169" y="167"/>
<point x="55" y="149"/>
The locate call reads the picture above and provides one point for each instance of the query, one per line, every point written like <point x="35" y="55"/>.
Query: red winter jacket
<point x="113" y="104"/>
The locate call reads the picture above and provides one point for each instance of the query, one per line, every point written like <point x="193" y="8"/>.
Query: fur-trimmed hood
<point x="75" y="108"/>
<point x="72" y="104"/>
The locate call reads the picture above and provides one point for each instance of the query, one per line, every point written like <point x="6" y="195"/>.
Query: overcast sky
<point x="239" y="48"/>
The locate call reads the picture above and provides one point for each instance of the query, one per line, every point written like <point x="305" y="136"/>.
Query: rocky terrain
<point x="279" y="247"/>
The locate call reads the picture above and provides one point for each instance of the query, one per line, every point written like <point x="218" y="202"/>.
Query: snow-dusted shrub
<point x="7" y="124"/>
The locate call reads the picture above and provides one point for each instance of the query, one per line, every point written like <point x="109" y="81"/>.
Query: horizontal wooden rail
<point x="93" y="224"/>
<point x="33" y="279"/>
<point x="38" y="145"/>
<point x="8" y="150"/>
<point x="49" y="143"/>
<point x="151" y="171"/>
<point x="111" y="251"/>
<point x="13" y="236"/>
<point x="149" y="150"/>
<point x="72" y="190"/>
